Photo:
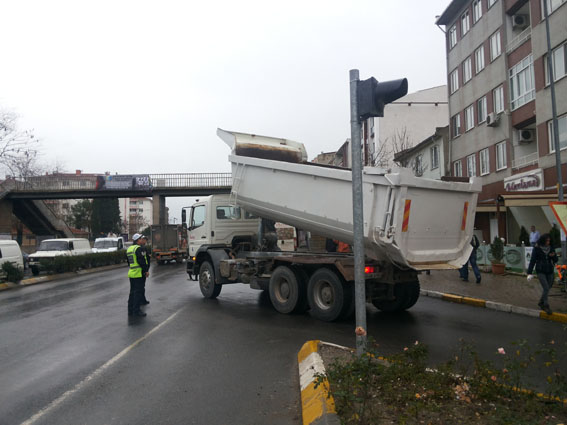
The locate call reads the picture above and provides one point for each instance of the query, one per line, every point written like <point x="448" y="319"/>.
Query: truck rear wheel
<point x="287" y="290"/>
<point x="327" y="294"/>
<point x="207" y="284"/>
<point x="404" y="299"/>
<point x="412" y="290"/>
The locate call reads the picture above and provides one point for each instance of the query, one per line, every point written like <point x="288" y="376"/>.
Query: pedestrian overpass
<point x="24" y="197"/>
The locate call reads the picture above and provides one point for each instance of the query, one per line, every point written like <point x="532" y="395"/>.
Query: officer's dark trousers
<point x="136" y="294"/>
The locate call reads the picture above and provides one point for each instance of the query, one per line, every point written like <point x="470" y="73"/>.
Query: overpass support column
<point x="6" y="211"/>
<point x="159" y="212"/>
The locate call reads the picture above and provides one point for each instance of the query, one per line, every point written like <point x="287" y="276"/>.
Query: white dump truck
<point x="410" y="224"/>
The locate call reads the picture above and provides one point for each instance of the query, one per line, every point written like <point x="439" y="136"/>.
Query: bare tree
<point x="401" y="142"/>
<point x="18" y="149"/>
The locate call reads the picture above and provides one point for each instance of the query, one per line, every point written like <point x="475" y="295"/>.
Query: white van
<point x="108" y="244"/>
<point x="10" y="252"/>
<point x="50" y="248"/>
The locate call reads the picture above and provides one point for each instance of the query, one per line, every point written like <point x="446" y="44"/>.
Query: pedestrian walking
<point x="543" y="259"/>
<point x="137" y="272"/>
<point x="534" y="236"/>
<point x="464" y="271"/>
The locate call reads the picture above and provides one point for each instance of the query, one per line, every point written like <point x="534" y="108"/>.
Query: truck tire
<point x="412" y="290"/>
<point x="34" y="270"/>
<point x="402" y="297"/>
<point x="327" y="293"/>
<point x="287" y="290"/>
<point x="207" y="284"/>
<point x="303" y="277"/>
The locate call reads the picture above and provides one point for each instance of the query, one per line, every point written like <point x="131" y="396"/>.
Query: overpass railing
<point x="64" y="183"/>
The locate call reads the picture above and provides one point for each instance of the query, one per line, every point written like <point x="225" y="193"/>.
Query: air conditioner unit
<point x="520" y="22"/>
<point x="492" y="119"/>
<point x="526" y="135"/>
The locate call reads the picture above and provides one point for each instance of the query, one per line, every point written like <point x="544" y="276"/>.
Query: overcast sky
<point x="141" y="86"/>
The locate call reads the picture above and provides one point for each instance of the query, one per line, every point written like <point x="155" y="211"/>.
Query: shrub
<point x="497" y="250"/>
<point x="72" y="263"/>
<point x="13" y="273"/>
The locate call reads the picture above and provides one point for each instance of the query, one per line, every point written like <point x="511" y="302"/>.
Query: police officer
<point x="137" y="272"/>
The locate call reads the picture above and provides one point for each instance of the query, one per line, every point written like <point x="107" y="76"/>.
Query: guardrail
<point x="64" y="183"/>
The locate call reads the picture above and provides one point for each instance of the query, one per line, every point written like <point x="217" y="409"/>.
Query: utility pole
<point x="555" y="125"/>
<point x="367" y="99"/>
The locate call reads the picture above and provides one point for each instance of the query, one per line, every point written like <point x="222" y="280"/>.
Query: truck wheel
<point x="303" y="278"/>
<point x="401" y="295"/>
<point x="412" y="291"/>
<point x="326" y="294"/>
<point x="34" y="270"/>
<point x="207" y="284"/>
<point x="286" y="290"/>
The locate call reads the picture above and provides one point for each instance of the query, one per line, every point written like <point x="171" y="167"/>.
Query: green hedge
<point x="12" y="273"/>
<point x="72" y="263"/>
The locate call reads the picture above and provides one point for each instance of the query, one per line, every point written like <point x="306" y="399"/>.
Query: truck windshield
<point x="54" y="246"/>
<point x="106" y="244"/>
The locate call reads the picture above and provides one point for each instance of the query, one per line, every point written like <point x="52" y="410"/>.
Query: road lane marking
<point x="69" y="393"/>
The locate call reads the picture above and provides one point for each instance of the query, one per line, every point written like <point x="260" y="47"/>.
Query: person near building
<point x="464" y="271"/>
<point x="147" y="257"/>
<point x="543" y="259"/>
<point x="137" y="272"/>
<point x="534" y="236"/>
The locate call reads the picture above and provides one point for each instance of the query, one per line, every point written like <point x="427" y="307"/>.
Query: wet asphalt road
<point x="66" y="354"/>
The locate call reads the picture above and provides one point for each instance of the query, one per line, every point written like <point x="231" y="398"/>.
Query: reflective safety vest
<point x="135" y="269"/>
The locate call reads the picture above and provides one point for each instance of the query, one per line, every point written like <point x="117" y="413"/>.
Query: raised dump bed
<point x="411" y="222"/>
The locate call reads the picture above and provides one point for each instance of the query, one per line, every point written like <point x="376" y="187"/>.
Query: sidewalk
<point x="508" y="289"/>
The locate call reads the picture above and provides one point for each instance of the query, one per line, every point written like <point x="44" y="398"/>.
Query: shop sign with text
<point x="529" y="181"/>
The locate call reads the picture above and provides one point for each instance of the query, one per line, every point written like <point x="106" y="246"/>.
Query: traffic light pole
<point x="357" y="215"/>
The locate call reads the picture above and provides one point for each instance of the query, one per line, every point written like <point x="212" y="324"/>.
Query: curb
<point x="492" y="305"/>
<point x="317" y="407"/>
<point x="49" y="278"/>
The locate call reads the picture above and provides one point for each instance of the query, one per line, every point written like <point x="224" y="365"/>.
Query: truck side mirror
<point x="184" y="217"/>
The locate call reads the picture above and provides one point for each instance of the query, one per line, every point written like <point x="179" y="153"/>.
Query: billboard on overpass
<point x="141" y="182"/>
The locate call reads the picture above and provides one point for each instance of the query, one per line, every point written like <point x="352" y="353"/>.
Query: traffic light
<point x="373" y="96"/>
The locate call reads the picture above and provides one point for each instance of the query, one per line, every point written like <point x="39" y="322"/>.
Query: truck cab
<point x="214" y="221"/>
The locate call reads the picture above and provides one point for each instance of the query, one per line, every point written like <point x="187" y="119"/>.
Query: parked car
<point x="10" y="252"/>
<point x="108" y="244"/>
<point x="51" y="248"/>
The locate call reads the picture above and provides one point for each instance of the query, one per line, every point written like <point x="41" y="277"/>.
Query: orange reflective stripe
<point x="465" y="212"/>
<point x="405" y="223"/>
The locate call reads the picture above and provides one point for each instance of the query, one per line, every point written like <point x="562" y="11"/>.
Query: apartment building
<point x="136" y="214"/>
<point x="500" y="107"/>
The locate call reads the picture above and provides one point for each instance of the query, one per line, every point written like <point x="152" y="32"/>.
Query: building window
<point x="562" y="124"/>
<point x="454" y="77"/>
<point x="501" y="162"/>
<point x="558" y="63"/>
<point x="458" y="167"/>
<point x="491" y="3"/>
<point x="456" y="125"/>
<point x="484" y="162"/>
<point x="552" y="6"/>
<point x="465" y="23"/>
<point x="479" y="59"/>
<point x="481" y="109"/>
<point x="498" y="95"/>
<point x="452" y="36"/>
<point x="467" y="70"/>
<point x="418" y="165"/>
<point x="471" y="165"/>
<point x="476" y="10"/>
<point x="434" y="152"/>
<point x="495" y="45"/>
<point x="469" y="118"/>
<point x="522" y="88"/>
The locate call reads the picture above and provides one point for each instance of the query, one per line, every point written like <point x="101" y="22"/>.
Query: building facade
<point x="136" y="214"/>
<point x="500" y="108"/>
<point x="428" y="158"/>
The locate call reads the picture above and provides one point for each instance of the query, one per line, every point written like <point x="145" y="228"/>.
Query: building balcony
<point x="525" y="161"/>
<point x="520" y="39"/>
